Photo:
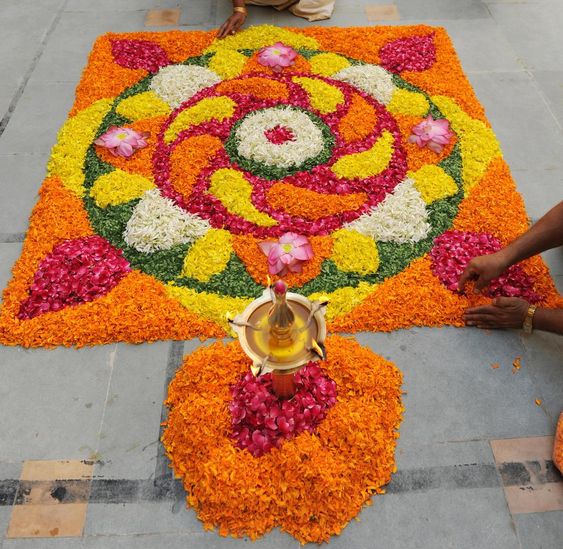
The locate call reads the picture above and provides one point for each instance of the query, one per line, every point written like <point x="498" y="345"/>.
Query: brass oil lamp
<point x="281" y="332"/>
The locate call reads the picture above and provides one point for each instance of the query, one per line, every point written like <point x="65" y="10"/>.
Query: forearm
<point x="547" y="233"/>
<point x="238" y="3"/>
<point x="549" y="320"/>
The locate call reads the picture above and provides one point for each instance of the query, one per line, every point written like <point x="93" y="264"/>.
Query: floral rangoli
<point x="182" y="155"/>
<point x="320" y="473"/>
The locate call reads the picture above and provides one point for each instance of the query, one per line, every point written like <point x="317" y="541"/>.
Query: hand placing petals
<point x="122" y="141"/>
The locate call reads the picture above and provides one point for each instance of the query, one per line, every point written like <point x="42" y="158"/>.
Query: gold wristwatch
<point x="528" y="321"/>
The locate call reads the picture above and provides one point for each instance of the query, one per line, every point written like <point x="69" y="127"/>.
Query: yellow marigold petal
<point x="264" y="35"/>
<point x="323" y="97"/>
<point x="477" y="141"/>
<point x="209" y="255"/>
<point x="73" y="140"/>
<point x="143" y="105"/>
<point x="327" y="64"/>
<point x="343" y="300"/>
<point x="118" y="187"/>
<point x="433" y="183"/>
<point x="228" y="63"/>
<point x="235" y="193"/>
<point x="366" y="163"/>
<point x="209" y="108"/>
<point x="354" y="252"/>
<point x="209" y="306"/>
<point x="408" y="102"/>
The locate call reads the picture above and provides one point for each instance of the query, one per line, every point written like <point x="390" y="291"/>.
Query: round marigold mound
<point x="311" y="486"/>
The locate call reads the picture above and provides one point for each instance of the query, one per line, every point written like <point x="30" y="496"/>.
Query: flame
<point x="269" y="280"/>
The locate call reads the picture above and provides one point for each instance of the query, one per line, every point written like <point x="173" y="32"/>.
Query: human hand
<point x="504" y="312"/>
<point x="232" y="24"/>
<point x="482" y="269"/>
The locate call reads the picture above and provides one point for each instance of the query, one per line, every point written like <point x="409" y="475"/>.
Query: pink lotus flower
<point x="288" y="253"/>
<point x="277" y="57"/>
<point x="122" y="141"/>
<point x="431" y="133"/>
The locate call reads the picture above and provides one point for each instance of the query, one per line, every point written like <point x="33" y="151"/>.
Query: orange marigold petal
<point x="189" y="158"/>
<point x="246" y="248"/>
<point x="314" y="484"/>
<point x="489" y="210"/>
<point x="416" y="156"/>
<point x="257" y="87"/>
<point x="140" y="162"/>
<point x="359" y="121"/>
<point x="301" y="202"/>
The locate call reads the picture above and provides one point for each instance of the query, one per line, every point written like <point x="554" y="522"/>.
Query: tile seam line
<point x="19" y="92"/>
<point x="174" y="361"/>
<point x="547" y="103"/>
<point x="111" y="365"/>
<point x="121" y="491"/>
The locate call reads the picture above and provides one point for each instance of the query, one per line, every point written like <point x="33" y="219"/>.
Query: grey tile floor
<point x="105" y="403"/>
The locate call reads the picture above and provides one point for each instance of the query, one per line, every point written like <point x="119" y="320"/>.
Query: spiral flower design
<point x="240" y="187"/>
<point x="240" y="154"/>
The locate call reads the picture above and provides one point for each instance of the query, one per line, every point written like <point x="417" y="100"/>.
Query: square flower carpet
<point x="164" y="243"/>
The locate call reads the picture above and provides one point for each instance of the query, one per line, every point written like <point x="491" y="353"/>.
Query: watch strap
<point x="528" y="325"/>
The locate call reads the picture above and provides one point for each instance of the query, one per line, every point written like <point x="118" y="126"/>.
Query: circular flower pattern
<point x="315" y="482"/>
<point x="302" y="141"/>
<point x="241" y="154"/>
<point x="317" y="159"/>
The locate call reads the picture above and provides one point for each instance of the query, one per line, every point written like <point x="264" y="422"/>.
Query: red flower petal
<point x="139" y="54"/>
<point x="414" y="53"/>
<point x="76" y="271"/>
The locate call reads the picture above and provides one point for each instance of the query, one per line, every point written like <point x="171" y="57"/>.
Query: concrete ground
<point x="460" y="483"/>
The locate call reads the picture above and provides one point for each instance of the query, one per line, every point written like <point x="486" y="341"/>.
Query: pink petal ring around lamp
<point x="122" y="141"/>
<point x="288" y="253"/>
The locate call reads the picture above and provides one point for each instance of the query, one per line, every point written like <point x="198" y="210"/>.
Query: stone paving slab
<point x="533" y="28"/>
<point x="442" y="9"/>
<point x="527" y="130"/>
<point x="453" y="394"/>
<point x="436" y="518"/>
<point x="20" y="179"/>
<point x="540" y="530"/>
<point x="40" y="112"/>
<point x="129" y="435"/>
<point x="9" y="253"/>
<point x="55" y="401"/>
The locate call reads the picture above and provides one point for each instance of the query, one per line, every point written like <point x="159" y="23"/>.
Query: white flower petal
<point x="374" y="80"/>
<point x="308" y="139"/>
<point x="400" y="218"/>
<point x="158" y="224"/>
<point x="177" y="83"/>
